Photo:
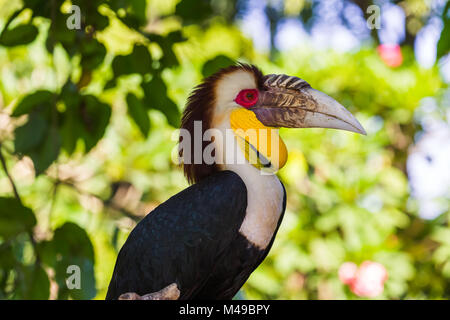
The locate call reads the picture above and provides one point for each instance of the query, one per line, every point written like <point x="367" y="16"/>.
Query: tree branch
<point x="106" y="203"/>
<point x="11" y="181"/>
<point x="16" y="194"/>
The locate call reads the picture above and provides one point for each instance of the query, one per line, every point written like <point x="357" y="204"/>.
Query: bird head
<point x="253" y="107"/>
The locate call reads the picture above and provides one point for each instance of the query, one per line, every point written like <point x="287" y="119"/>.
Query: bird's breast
<point x="265" y="196"/>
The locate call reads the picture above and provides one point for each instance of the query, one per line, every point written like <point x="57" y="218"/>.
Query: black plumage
<point x="192" y="240"/>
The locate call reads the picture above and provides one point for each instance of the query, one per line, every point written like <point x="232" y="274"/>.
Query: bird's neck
<point x="265" y="194"/>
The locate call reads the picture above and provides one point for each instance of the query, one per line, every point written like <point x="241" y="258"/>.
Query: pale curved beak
<point x="290" y="102"/>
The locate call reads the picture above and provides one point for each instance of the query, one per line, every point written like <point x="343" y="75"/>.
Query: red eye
<point x="247" y="98"/>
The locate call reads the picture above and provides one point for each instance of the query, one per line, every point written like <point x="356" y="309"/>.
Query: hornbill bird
<point x="204" y="242"/>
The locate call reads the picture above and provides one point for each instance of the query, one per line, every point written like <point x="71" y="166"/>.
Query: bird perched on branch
<point x="204" y="242"/>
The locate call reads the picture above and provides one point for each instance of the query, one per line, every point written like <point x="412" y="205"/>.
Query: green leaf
<point x="97" y="20"/>
<point x="156" y="98"/>
<point x="110" y="84"/>
<point x="175" y="36"/>
<point x="138" y="113"/>
<point x="122" y="65"/>
<point x="45" y="153"/>
<point x="70" y="118"/>
<point x="212" y="66"/>
<point x="7" y="259"/>
<point x="71" y="240"/>
<point x="170" y="110"/>
<point x="194" y="11"/>
<point x="61" y="34"/>
<point x="135" y="12"/>
<point x="22" y="34"/>
<point x="30" y="134"/>
<point x="70" y="95"/>
<point x="40" y="8"/>
<point x="14" y="218"/>
<point x="155" y="92"/>
<point x="87" y="288"/>
<point x="35" y="284"/>
<point x="72" y="246"/>
<point x="92" y="54"/>
<point x="443" y="46"/>
<point x="139" y="8"/>
<point x="85" y="118"/>
<point x="47" y="253"/>
<point x="36" y="139"/>
<point x="95" y="117"/>
<point x="169" y="58"/>
<point x="139" y="61"/>
<point x="40" y="100"/>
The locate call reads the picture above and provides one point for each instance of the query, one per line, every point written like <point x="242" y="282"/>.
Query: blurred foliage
<point x="87" y="138"/>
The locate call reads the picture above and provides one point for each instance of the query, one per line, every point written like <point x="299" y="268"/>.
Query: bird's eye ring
<point x="247" y="98"/>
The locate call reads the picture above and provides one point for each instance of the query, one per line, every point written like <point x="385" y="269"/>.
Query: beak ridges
<point x="285" y="81"/>
<point x="291" y="102"/>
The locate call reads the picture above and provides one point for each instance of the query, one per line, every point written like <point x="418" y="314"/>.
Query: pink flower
<point x="366" y="281"/>
<point x="347" y="272"/>
<point x="391" y="54"/>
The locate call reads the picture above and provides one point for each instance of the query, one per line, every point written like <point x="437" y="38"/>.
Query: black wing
<point x="180" y="240"/>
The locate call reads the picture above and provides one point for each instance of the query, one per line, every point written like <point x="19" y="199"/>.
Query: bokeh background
<point x="88" y="122"/>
